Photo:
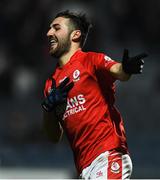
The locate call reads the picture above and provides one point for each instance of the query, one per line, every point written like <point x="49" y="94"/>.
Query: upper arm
<point x="97" y="61"/>
<point x="101" y="64"/>
<point x="102" y="61"/>
<point x="114" y="68"/>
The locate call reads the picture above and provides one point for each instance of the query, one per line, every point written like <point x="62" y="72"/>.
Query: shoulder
<point x="90" y="56"/>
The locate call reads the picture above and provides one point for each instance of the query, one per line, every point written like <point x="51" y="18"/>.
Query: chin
<point x="52" y="52"/>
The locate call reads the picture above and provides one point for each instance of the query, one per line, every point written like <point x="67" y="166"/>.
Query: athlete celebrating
<point x="79" y="99"/>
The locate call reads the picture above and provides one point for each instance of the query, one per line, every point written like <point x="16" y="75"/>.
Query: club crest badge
<point x="115" y="167"/>
<point x="76" y="75"/>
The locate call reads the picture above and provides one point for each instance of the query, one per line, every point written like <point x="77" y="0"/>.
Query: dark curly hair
<point x="79" y="21"/>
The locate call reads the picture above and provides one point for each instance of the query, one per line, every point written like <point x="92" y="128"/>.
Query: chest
<point x="83" y="80"/>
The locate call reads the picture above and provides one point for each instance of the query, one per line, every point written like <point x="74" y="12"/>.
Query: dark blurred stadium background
<point x="25" y="64"/>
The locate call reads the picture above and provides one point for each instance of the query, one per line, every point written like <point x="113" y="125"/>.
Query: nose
<point x="50" y="32"/>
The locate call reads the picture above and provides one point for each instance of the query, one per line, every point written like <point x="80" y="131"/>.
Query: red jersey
<point x="92" y="123"/>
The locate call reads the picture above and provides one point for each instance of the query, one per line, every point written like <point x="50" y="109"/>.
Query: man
<point x="79" y="99"/>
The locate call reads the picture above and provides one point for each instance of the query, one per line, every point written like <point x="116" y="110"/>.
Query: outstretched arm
<point x="128" y="66"/>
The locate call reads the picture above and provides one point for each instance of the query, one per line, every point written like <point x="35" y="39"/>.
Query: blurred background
<point x="25" y="64"/>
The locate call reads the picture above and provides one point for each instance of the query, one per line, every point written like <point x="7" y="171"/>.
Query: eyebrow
<point x="54" y="25"/>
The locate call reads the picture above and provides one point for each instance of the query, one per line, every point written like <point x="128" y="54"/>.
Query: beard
<point x="61" y="47"/>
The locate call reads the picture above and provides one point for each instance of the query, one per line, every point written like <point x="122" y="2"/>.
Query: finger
<point x="125" y="54"/>
<point x="139" y="62"/>
<point x="139" y="66"/>
<point x="47" y="106"/>
<point x="142" y="61"/>
<point x="63" y="83"/>
<point x="140" y="56"/>
<point x="142" y="66"/>
<point x="68" y="87"/>
<point x="53" y="83"/>
<point x="139" y="69"/>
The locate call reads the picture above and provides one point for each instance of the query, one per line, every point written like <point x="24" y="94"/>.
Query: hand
<point x="133" y="65"/>
<point x="57" y="95"/>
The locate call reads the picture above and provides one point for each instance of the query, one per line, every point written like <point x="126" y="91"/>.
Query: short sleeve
<point x="102" y="64"/>
<point x="102" y="61"/>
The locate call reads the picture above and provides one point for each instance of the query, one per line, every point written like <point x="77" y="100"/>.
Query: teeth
<point x="52" y="41"/>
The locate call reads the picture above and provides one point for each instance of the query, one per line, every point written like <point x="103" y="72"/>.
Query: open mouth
<point x="53" y="41"/>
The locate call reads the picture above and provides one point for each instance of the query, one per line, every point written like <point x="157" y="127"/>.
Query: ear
<point x="76" y="35"/>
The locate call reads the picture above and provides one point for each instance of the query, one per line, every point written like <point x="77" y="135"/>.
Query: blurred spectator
<point x="24" y="83"/>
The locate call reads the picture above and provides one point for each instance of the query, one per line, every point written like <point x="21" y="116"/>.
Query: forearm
<point x="52" y="126"/>
<point x="117" y="72"/>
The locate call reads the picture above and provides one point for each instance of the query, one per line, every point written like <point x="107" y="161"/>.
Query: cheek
<point x="64" y="38"/>
<point x="61" y="36"/>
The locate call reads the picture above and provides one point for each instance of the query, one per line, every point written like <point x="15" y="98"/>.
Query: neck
<point x="66" y="57"/>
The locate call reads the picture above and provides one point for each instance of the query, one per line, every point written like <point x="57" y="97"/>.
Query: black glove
<point x="57" y="95"/>
<point x="133" y="65"/>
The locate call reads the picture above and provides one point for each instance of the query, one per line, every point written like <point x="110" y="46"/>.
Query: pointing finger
<point x="63" y="83"/>
<point x="141" y="56"/>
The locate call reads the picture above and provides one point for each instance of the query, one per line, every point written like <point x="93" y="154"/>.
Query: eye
<point x="57" y="28"/>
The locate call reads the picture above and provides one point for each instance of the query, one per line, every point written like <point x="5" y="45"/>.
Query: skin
<point x="67" y="39"/>
<point x="67" y="42"/>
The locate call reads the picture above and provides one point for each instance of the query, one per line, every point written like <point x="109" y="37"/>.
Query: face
<point x="59" y="37"/>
